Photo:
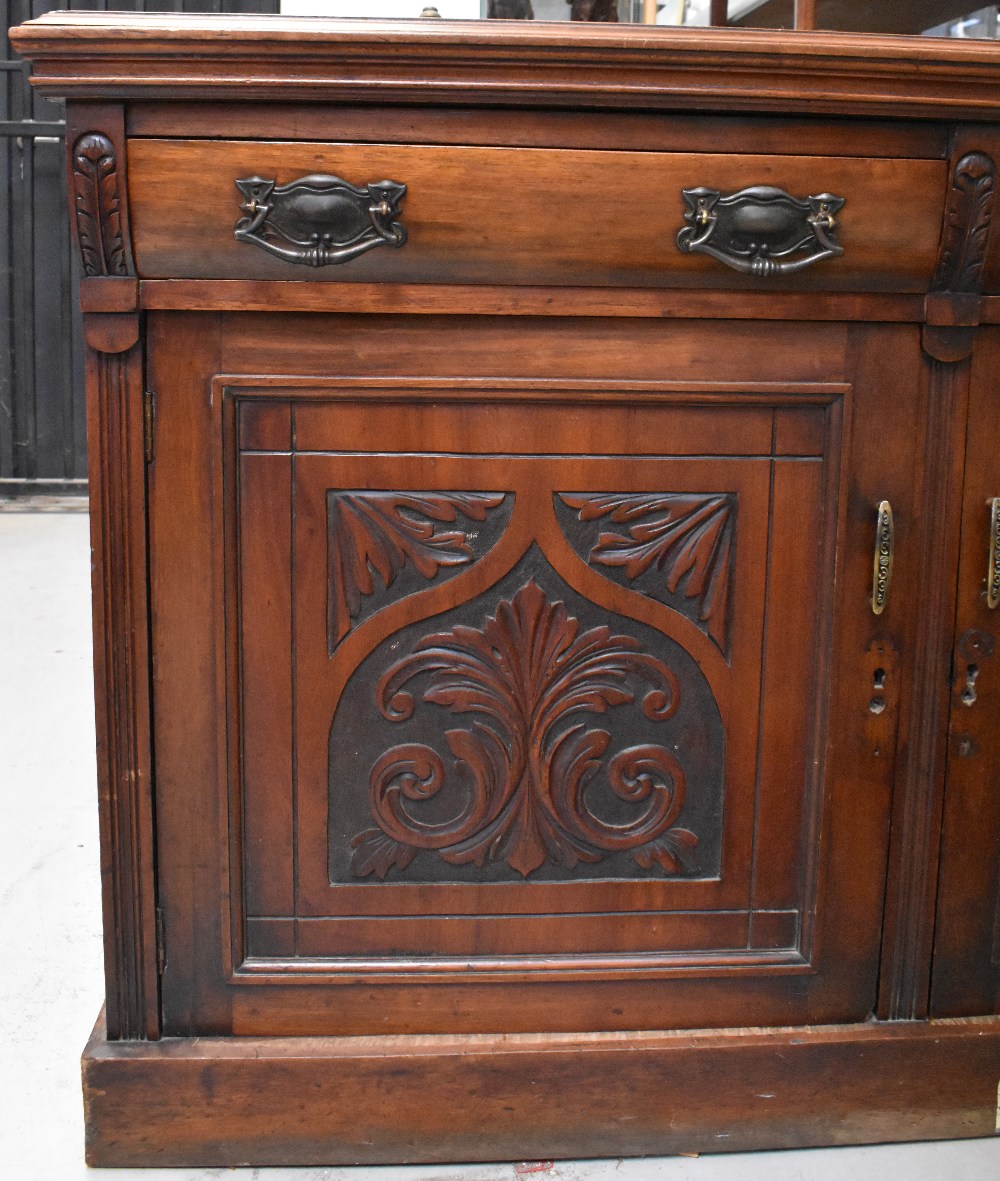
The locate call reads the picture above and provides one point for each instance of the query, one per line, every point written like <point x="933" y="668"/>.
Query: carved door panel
<point x="491" y="746"/>
<point x="547" y="695"/>
<point x="967" y="940"/>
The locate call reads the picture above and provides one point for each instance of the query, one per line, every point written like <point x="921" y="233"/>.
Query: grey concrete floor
<point x="50" y="978"/>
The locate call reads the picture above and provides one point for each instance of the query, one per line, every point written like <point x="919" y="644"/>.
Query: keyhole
<point x="877" y="703"/>
<point x="969" y="692"/>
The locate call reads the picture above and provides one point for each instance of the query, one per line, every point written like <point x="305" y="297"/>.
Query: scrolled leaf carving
<point x="97" y="206"/>
<point x="687" y="536"/>
<point x="525" y="777"/>
<point x="380" y="533"/>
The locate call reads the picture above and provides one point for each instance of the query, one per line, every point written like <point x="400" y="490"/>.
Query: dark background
<point x="42" y="423"/>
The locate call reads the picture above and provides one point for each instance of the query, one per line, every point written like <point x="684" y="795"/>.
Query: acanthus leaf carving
<point x="97" y="206"/>
<point x="382" y="532"/>
<point x="526" y="778"/>
<point x="687" y="536"/>
<point x="968" y="216"/>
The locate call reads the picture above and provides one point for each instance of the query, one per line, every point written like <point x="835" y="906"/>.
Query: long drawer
<point x="530" y="216"/>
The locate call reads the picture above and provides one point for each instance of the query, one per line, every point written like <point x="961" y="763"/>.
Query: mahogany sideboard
<point x="546" y="520"/>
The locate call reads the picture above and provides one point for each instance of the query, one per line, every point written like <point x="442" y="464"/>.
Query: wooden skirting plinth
<point x="385" y="1100"/>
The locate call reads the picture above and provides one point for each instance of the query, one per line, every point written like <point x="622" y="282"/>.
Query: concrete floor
<point x="50" y="981"/>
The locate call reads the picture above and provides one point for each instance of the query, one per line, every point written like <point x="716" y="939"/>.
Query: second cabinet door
<point x="555" y="695"/>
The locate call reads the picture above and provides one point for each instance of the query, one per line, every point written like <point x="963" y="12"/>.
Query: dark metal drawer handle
<point x="761" y="231"/>
<point x="319" y="220"/>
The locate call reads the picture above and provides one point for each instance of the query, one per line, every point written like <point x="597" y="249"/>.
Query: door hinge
<point x="161" y="946"/>
<point x="148" y="422"/>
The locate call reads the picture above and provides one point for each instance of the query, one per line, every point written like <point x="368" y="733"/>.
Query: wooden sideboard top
<point x="163" y="56"/>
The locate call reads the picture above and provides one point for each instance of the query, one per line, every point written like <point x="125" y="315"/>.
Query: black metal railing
<point x="42" y="416"/>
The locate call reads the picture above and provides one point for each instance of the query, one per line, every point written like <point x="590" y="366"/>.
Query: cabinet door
<point x="522" y="674"/>
<point x="966" y="979"/>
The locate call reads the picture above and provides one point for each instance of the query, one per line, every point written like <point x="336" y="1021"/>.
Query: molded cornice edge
<point x="108" y="55"/>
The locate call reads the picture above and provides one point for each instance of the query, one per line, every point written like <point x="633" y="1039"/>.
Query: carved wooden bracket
<point x="952" y="307"/>
<point x="967" y="225"/>
<point x="97" y="206"/>
<point x="111" y="332"/>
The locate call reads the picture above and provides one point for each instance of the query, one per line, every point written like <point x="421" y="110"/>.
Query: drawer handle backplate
<point x="319" y="220"/>
<point x="761" y="231"/>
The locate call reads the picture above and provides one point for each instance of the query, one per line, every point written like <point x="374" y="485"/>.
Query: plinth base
<point x="395" y="1100"/>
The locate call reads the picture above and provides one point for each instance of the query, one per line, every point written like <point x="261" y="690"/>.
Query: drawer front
<point x="532" y="216"/>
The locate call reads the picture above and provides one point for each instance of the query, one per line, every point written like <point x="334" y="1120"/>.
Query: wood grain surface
<point x="598" y="130"/>
<point x="276" y="1101"/>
